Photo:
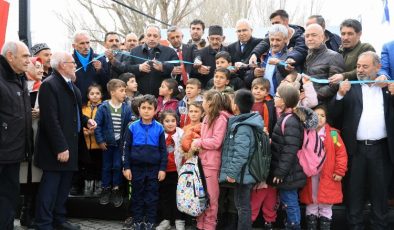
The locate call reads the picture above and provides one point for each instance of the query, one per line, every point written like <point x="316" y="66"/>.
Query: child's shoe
<point x="88" y="188"/>
<point x="117" y="198"/>
<point x="105" y="196"/>
<point x="149" y="226"/>
<point x="128" y="223"/>
<point x="325" y="223"/>
<point x="138" y="226"/>
<point x="179" y="224"/>
<point x="311" y="222"/>
<point x="268" y="226"/>
<point x="164" y="225"/>
<point x="97" y="188"/>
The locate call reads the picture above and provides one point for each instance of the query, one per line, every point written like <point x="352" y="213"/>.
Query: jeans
<point x="289" y="199"/>
<point x="242" y="203"/>
<point x="111" y="172"/>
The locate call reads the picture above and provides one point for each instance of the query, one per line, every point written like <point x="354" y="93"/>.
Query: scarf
<point x="170" y="143"/>
<point x="83" y="60"/>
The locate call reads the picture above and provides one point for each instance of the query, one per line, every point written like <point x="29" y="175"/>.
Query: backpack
<point x="191" y="192"/>
<point x="311" y="155"/>
<point x="260" y="160"/>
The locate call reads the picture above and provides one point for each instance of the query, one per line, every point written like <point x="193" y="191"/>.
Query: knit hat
<point x="215" y="30"/>
<point x="38" y="47"/>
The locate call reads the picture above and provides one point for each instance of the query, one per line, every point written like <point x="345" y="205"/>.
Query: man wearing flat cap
<point x="43" y="51"/>
<point x="204" y="59"/>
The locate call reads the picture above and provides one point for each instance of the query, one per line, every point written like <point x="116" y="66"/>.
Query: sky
<point x="46" y="26"/>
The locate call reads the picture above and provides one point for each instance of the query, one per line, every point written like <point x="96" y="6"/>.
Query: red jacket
<point x="171" y="104"/>
<point x="329" y="191"/>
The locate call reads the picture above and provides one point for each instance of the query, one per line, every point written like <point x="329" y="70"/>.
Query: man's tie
<point x="242" y="47"/>
<point x="184" y="74"/>
<point x="78" y="117"/>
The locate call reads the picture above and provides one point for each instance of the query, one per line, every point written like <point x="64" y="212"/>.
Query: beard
<point x="362" y="77"/>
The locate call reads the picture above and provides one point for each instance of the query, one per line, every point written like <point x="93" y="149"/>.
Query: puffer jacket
<point x="284" y="148"/>
<point x="322" y="63"/>
<point x="238" y="145"/>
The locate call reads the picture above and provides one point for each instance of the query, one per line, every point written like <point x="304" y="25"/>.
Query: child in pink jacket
<point x="213" y="129"/>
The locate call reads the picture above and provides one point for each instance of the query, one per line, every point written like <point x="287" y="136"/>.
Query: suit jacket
<point x="187" y="53"/>
<point x="387" y="59"/>
<point x="57" y="130"/>
<point x="235" y="50"/>
<point x="349" y="110"/>
<point x="207" y="56"/>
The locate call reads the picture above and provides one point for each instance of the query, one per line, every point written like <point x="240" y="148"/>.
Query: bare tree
<point x="101" y="16"/>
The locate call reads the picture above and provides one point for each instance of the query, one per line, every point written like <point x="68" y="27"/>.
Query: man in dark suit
<point x="204" y="59"/>
<point x="15" y="124"/>
<point x="57" y="141"/>
<point x="149" y="74"/>
<point x="368" y="132"/>
<point x="185" y="53"/>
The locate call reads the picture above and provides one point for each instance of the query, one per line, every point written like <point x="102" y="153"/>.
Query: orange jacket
<point x="90" y="111"/>
<point x="329" y="191"/>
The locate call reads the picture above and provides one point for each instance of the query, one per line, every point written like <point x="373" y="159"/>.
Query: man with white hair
<point x="57" y="141"/>
<point x="15" y="126"/>
<point x="89" y="71"/>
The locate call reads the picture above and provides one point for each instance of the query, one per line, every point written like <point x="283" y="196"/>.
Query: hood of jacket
<point x="252" y="119"/>
<point x="307" y="116"/>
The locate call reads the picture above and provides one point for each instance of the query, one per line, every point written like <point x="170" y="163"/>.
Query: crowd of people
<point x="128" y="120"/>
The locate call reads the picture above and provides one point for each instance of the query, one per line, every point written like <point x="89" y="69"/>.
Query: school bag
<point x="191" y="193"/>
<point x="311" y="155"/>
<point x="260" y="160"/>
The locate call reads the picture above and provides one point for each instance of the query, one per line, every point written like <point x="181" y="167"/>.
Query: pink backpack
<point x="311" y="155"/>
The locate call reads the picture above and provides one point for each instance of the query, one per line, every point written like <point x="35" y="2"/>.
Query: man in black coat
<point x="204" y="59"/>
<point x="185" y="53"/>
<point x="89" y="71"/>
<point x="332" y="41"/>
<point x="57" y="141"/>
<point x="148" y="62"/>
<point x="367" y="111"/>
<point x="15" y="126"/>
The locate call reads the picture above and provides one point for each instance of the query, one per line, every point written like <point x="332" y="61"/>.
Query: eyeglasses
<point x="73" y="62"/>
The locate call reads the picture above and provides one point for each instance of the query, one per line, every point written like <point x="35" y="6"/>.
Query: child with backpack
<point x="238" y="146"/>
<point x="325" y="189"/>
<point x="264" y="196"/>
<point x="213" y="129"/>
<point x="286" y="173"/>
<point x="193" y="130"/>
<point x="167" y="198"/>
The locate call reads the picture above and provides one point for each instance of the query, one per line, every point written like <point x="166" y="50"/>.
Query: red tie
<point x="184" y="74"/>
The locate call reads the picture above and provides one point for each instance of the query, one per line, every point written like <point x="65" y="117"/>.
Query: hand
<point x="336" y="177"/>
<point x="265" y="129"/>
<point x="144" y="67"/>
<point x="230" y="180"/>
<point x="35" y="113"/>
<point x="290" y="64"/>
<point x="97" y="65"/>
<point x="158" y="66"/>
<point x="204" y="70"/>
<point x="261" y="185"/>
<point x="86" y="131"/>
<point x="197" y="63"/>
<point x="305" y="79"/>
<point x="161" y="176"/>
<point x="103" y="146"/>
<point x="259" y="72"/>
<point x="91" y="124"/>
<point x="336" y="78"/>
<point x="176" y="70"/>
<point x="344" y="87"/>
<point x="381" y="84"/>
<point x="391" y="88"/>
<point x="273" y="61"/>
<point x="253" y="59"/>
<point x="277" y="180"/>
<point x="63" y="156"/>
<point x="127" y="174"/>
<point x="109" y="54"/>
<point x="239" y="64"/>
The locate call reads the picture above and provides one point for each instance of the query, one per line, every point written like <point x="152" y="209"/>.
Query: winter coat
<point x="104" y="132"/>
<point x="350" y="55"/>
<point x="211" y="141"/>
<point x="322" y="63"/>
<point x="171" y="104"/>
<point x="15" y="116"/>
<point x="238" y="145"/>
<point x="90" y="111"/>
<point x="329" y="191"/>
<point x="310" y="99"/>
<point x="284" y="148"/>
<point x="178" y="154"/>
<point x="191" y="132"/>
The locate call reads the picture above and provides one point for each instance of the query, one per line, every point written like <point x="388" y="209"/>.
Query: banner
<point x="4" y="7"/>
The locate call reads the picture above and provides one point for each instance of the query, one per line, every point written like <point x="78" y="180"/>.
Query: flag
<point x="4" y="7"/>
<point x="386" y="13"/>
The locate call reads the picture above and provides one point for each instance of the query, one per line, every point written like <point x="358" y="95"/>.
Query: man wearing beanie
<point x="43" y="51"/>
<point x="204" y="59"/>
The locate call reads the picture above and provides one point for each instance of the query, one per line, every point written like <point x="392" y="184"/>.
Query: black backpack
<point x="260" y="160"/>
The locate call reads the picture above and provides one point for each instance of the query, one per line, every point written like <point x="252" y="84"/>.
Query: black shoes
<point x="105" y="196"/>
<point x="117" y="198"/>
